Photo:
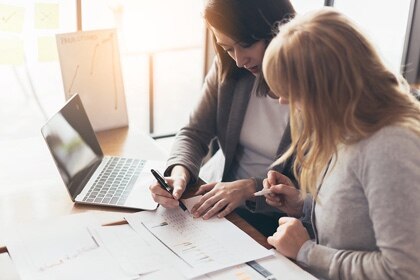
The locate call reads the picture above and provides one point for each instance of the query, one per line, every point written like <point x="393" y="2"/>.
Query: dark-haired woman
<point x="238" y="110"/>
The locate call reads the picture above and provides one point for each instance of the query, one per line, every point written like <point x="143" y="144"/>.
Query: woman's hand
<point x="289" y="237"/>
<point x="222" y="198"/>
<point x="284" y="195"/>
<point x="179" y="179"/>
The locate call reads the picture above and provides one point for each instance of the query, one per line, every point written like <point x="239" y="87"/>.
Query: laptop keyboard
<point x="115" y="182"/>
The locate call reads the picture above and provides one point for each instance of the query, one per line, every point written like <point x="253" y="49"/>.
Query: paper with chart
<point x="62" y="249"/>
<point x="90" y="65"/>
<point x="198" y="246"/>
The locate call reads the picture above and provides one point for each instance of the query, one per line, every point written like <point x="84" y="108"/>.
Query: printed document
<point x="196" y="246"/>
<point x="62" y="249"/>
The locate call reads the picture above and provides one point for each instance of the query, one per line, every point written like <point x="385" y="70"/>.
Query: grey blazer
<point x="219" y="114"/>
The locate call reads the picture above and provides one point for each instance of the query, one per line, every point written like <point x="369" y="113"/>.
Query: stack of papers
<point x="163" y="244"/>
<point x="196" y="246"/>
<point x="63" y="249"/>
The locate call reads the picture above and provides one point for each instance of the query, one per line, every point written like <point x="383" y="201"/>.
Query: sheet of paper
<point x="90" y="65"/>
<point x="198" y="246"/>
<point x="62" y="249"/>
<point x="277" y="265"/>
<point x="238" y="272"/>
<point x="132" y="252"/>
<point x="283" y="268"/>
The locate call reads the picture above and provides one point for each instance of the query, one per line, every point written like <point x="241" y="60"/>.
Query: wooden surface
<point x="31" y="189"/>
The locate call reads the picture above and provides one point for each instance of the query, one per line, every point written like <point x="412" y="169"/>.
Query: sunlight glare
<point x="157" y="25"/>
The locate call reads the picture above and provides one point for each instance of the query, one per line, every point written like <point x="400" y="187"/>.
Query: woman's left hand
<point x="289" y="237"/>
<point x="222" y="198"/>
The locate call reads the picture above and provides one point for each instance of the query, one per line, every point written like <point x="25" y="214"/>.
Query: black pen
<point x="261" y="270"/>
<point x="165" y="186"/>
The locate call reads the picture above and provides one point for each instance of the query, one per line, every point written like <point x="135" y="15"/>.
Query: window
<point x="30" y="77"/>
<point x="169" y="32"/>
<point x="411" y="55"/>
<point x="385" y="22"/>
<point x="303" y="6"/>
<point x="165" y="35"/>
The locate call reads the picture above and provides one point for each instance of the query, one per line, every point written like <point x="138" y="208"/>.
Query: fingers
<point x="206" y="202"/>
<point x="271" y="177"/>
<point x="198" y="209"/>
<point x="277" y="237"/>
<point x="216" y="210"/>
<point x="179" y="186"/>
<point x="266" y="183"/>
<point x="272" y="240"/>
<point x="228" y="209"/>
<point x="285" y="220"/>
<point x="275" y="202"/>
<point x="220" y="208"/>
<point x="162" y="197"/>
<point x="276" y="178"/>
<point x="205" y="188"/>
<point x="281" y="187"/>
<point x="165" y="198"/>
<point x="166" y="202"/>
<point x="214" y="202"/>
<point x="287" y="227"/>
<point x="278" y="193"/>
<point x="156" y="189"/>
<point x="285" y="190"/>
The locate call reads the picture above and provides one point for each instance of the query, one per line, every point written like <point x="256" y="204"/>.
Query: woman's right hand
<point x="178" y="180"/>
<point x="284" y="195"/>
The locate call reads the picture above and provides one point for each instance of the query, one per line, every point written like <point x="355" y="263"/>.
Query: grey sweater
<point x="367" y="215"/>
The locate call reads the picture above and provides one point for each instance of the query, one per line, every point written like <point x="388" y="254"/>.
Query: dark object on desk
<point x="261" y="270"/>
<point x="165" y="186"/>
<point x="266" y="224"/>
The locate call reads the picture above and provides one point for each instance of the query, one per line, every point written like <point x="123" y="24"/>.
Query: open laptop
<point x="91" y="177"/>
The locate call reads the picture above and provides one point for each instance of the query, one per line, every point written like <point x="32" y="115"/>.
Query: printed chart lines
<point x="69" y="92"/>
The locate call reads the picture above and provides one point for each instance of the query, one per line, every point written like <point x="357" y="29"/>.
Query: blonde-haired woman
<point x="356" y="136"/>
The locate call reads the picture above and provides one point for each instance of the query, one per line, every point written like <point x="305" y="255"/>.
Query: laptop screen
<point x="73" y="144"/>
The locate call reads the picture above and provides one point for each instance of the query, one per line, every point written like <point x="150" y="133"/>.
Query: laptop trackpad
<point x="140" y="197"/>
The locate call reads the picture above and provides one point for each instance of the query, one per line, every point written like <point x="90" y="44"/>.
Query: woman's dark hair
<point x="246" y="21"/>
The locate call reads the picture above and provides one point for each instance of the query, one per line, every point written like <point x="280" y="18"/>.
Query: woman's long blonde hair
<point x="338" y="88"/>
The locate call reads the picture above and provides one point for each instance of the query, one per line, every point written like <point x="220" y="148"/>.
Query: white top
<point x="264" y="124"/>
